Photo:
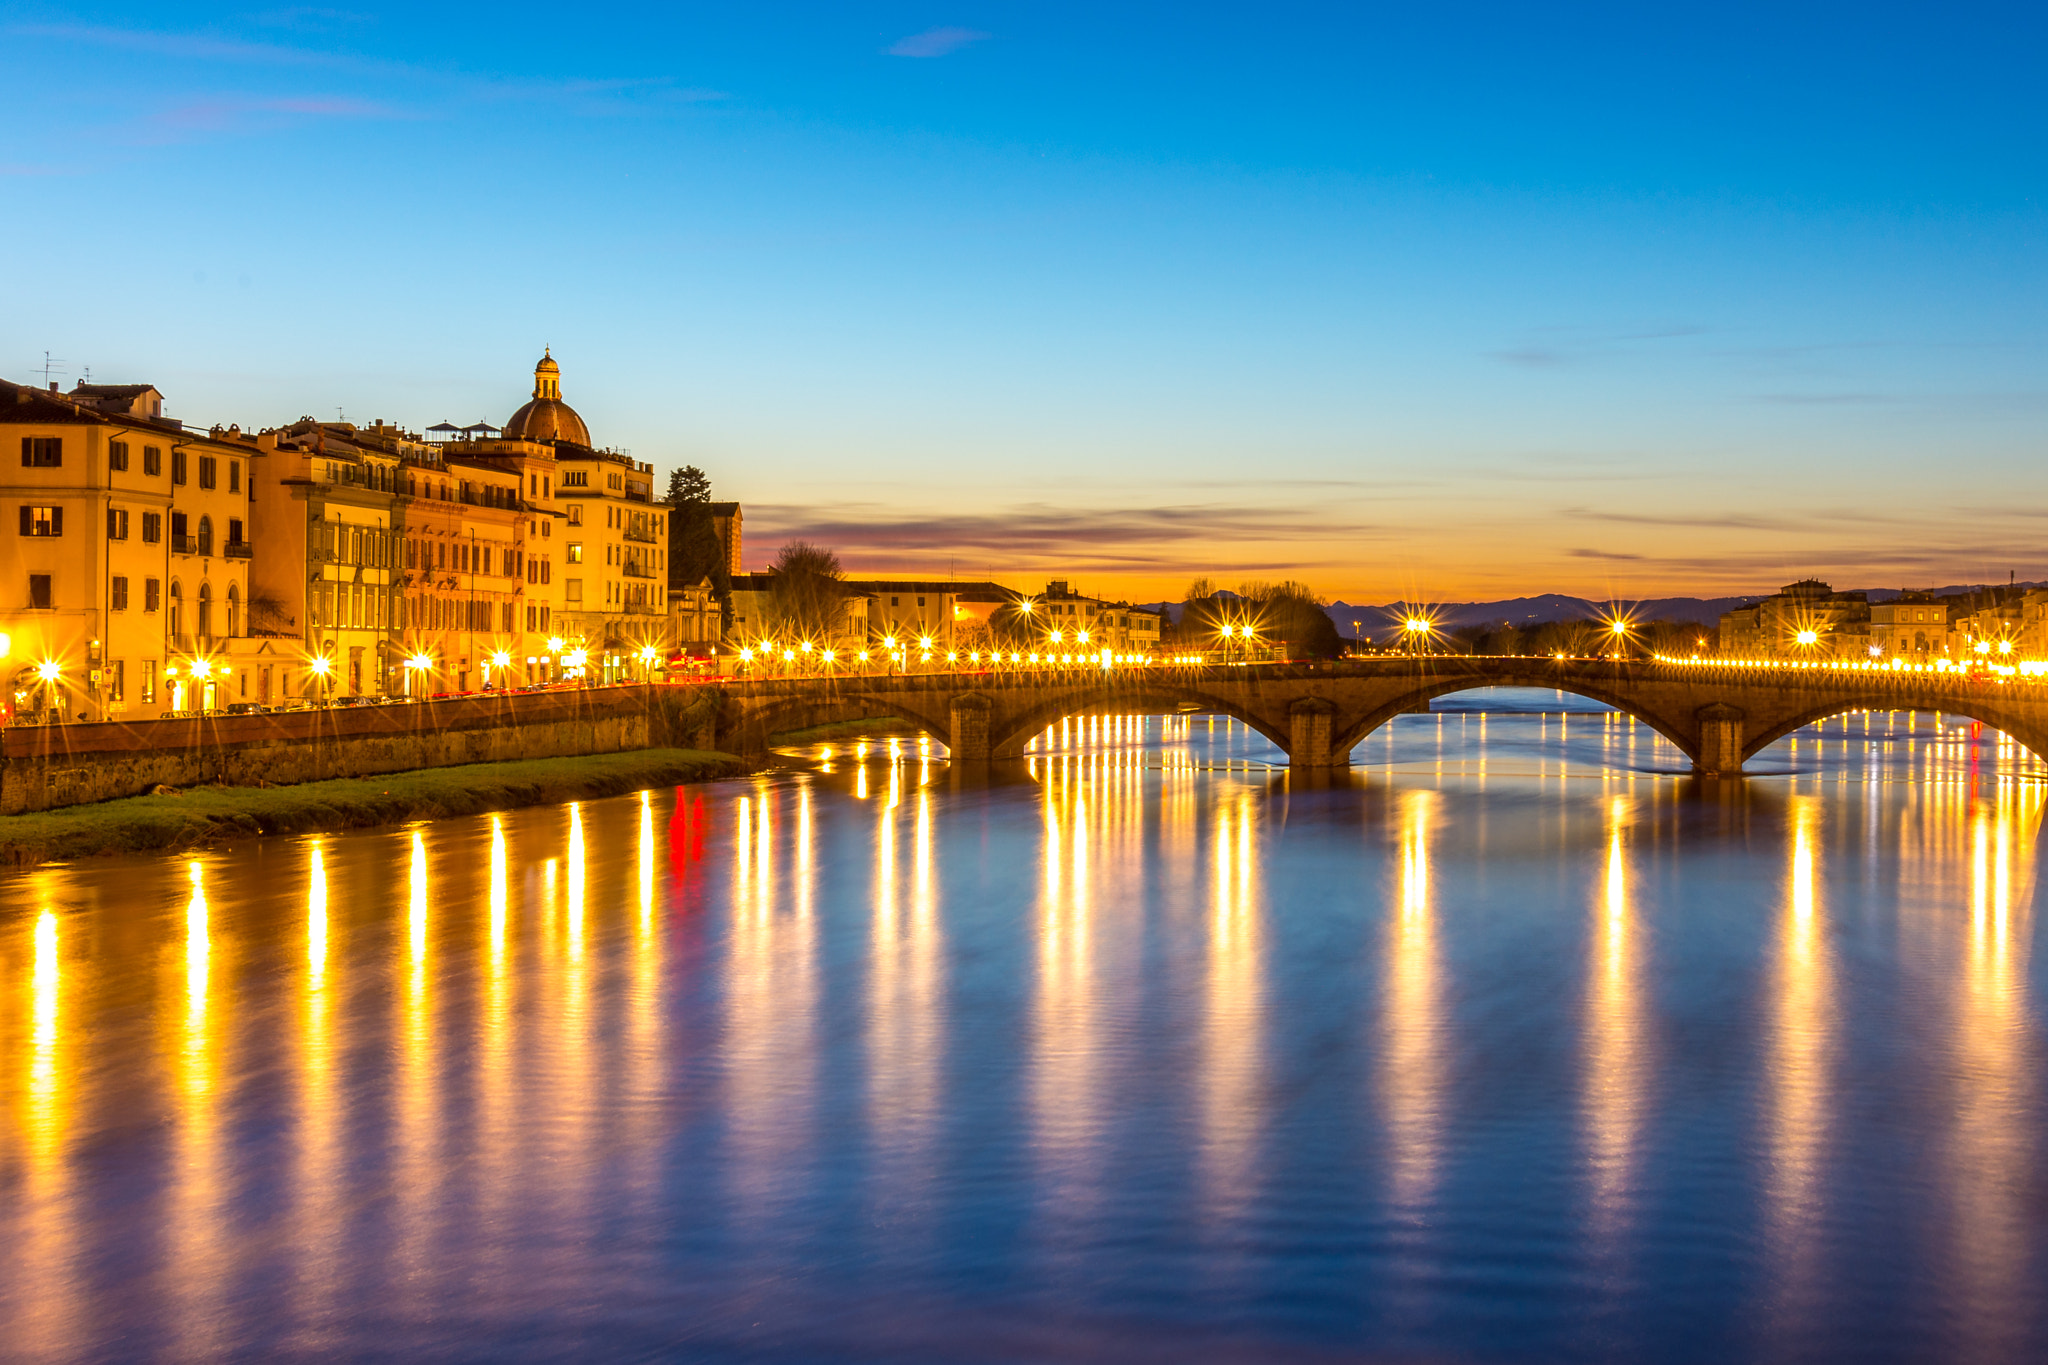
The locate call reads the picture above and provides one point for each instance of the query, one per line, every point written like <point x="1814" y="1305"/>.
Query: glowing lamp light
<point x="1983" y="647"/>
<point x="863" y="656"/>
<point x="805" y="647"/>
<point x="503" y="659"/>
<point x="6" y="644"/>
<point x="1619" y="627"/>
<point x="1416" y="625"/>
<point x="647" y="652"/>
<point x="1082" y="636"/>
<point x="576" y="658"/>
<point x="924" y="642"/>
<point x="2005" y="646"/>
<point x="48" y="670"/>
<point x="1807" y="637"/>
<point x="200" y="668"/>
<point x="321" y="667"/>
<point x="1056" y="637"/>
<point x="419" y="661"/>
<point x="747" y="656"/>
<point x="830" y="655"/>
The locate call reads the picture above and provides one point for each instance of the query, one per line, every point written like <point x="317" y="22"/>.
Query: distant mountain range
<point x="1551" y="606"/>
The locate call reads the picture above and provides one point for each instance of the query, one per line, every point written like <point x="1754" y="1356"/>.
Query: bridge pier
<point x="1310" y="723"/>
<point x="1720" y="740"/>
<point x="967" y="733"/>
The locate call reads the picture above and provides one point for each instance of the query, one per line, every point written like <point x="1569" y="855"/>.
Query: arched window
<point x="177" y="609"/>
<point x="234" y="611"/>
<point x="205" y="541"/>
<point x="205" y="614"/>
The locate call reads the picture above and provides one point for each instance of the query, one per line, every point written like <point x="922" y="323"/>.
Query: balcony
<point x="644" y="537"/>
<point x="632" y="569"/>
<point x="191" y="545"/>
<point x="235" y="549"/>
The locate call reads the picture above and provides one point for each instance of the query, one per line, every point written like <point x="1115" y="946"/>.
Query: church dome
<point x="547" y="417"/>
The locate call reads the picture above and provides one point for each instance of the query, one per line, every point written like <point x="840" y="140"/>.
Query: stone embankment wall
<point x="43" y="767"/>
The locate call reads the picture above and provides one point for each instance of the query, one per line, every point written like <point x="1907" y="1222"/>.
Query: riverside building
<point x="124" y="556"/>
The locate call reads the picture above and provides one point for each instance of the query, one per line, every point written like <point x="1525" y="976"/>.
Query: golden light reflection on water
<point x="1616" y="1066"/>
<point x="1066" y="1042"/>
<point x="320" y="1159"/>
<point x="196" y="1234"/>
<point x="905" y="1022"/>
<point x="1411" y="1022"/>
<point x="417" y="1089"/>
<point x="1233" y="1017"/>
<point x="45" y="1319"/>
<point x="1992" y="1148"/>
<point x="1800" y="1065"/>
<point x="771" y="1000"/>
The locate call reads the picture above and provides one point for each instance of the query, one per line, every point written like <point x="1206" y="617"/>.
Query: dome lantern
<point x="547" y="417"/>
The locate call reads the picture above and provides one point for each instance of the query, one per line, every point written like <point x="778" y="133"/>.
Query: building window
<point x="234" y="476"/>
<point x="572" y="590"/>
<point x="894" y="601"/>
<point x="152" y="461"/>
<point x="39" y="591"/>
<point x="117" y="523"/>
<point x="234" y="531"/>
<point x="149" y="678"/>
<point x="177" y="609"/>
<point x="575" y="515"/>
<point x="234" y="611"/>
<point x="117" y="681"/>
<point x="205" y="537"/>
<point x="42" y="452"/>
<point x="42" y="521"/>
<point x="177" y="466"/>
<point x="152" y="527"/>
<point x="117" y="593"/>
<point x="206" y="471"/>
<point x="152" y="593"/>
<point x="117" y="456"/>
<point x="920" y="601"/>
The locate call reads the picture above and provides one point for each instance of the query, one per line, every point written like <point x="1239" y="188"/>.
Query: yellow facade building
<point x="124" y="555"/>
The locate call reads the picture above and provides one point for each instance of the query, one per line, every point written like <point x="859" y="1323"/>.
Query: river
<point x="1517" y="1043"/>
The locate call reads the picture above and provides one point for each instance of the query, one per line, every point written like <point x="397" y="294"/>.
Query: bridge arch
<point x="1154" y="694"/>
<point x="1985" y="710"/>
<point x="779" y="715"/>
<point x="1680" y="730"/>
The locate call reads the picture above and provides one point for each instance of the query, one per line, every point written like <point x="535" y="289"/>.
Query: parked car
<point x="246" y="708"/>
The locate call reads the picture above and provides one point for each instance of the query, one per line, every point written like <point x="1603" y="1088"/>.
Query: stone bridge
<point x="1719" y="715"/>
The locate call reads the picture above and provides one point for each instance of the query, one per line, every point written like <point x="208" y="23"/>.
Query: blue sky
<point x="1424" y="301"/>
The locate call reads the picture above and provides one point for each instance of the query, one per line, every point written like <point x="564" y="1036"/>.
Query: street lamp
<point x="323" y="669"/>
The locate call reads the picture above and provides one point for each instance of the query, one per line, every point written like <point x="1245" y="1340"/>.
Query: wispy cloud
<point x="1554" y="347"/>
<point x="1038" y="534"/>
<point x="935" y="42"/>
<point x="310" y="19"/>
<point x="1604" y="554"/>
<point x="247" y="115"/>
<point x="586" y="95"/>
<point x="1826" y="399"/>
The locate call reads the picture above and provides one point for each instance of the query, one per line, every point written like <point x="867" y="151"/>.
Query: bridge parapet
<point x="1317" y="713"/>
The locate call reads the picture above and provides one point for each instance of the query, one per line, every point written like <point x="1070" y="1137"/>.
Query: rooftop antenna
<point x="49" y="365"/>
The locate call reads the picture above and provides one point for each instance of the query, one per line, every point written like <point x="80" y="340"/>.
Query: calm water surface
<point x="1515" y="1044"/>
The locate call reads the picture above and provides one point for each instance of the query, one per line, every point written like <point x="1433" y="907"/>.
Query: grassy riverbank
<point x="202" y="815"/>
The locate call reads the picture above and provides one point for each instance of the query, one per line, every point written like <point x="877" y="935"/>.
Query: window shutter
<point x="56" y="521"/>
<point x="28" y="446"/>
<point x="27" y="524"/>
